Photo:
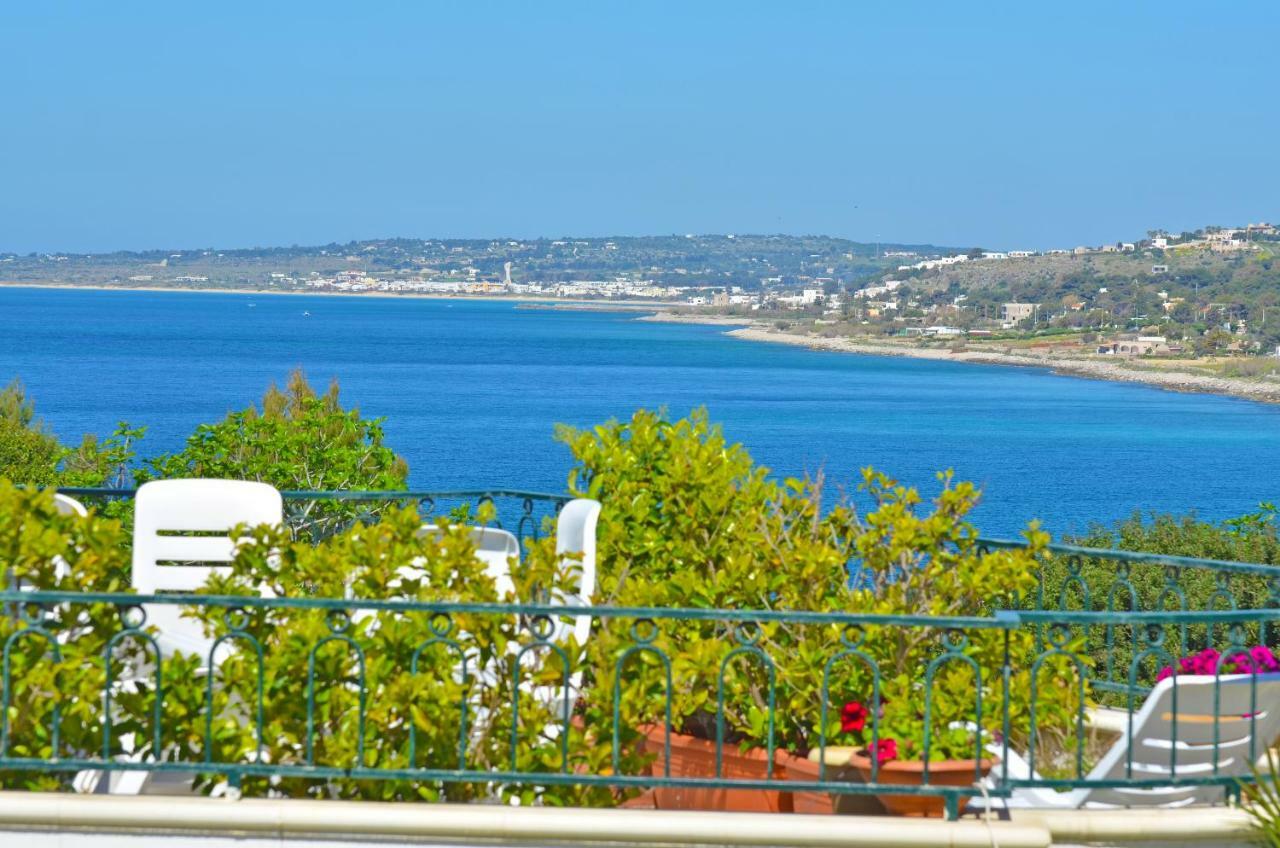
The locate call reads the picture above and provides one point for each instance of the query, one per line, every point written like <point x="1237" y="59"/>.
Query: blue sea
<point x="472" y="390"/>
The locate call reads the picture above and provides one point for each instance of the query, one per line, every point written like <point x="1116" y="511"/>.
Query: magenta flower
<point x="853" y="717"/>
<point x="886" y="750"/>
<point x="1256" y="660"/>
<point x="1264" y="659"/>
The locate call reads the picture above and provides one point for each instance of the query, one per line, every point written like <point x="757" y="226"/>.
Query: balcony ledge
<point x="71" y="821"/>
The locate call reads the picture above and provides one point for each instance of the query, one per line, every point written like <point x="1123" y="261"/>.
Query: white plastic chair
<point x="67" y="505"/>
<point x="576" y="547"/>
<point x="1193" y="751"/>
<point x="494" y="547"/>
<point x="576" y="535"/>
<point x="181" y="536"/>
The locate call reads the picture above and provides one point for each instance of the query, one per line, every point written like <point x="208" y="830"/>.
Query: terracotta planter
<point x="911" y="773"/>
<point x="806" y="801"/>
<point x="809" y="802"/>
<point x="692" y="757"/>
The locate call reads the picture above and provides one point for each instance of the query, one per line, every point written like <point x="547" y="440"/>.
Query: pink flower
<point x="886" y="750"/>
<point x="1264" y="659"/>
<point x="1256" y="660"/>
<point x="1208" y="661"/>
<point x="1242" y="665"/>
<point x="853" y="717"/>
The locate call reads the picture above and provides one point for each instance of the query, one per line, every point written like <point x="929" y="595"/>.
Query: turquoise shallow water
<point x="471" y="392"/>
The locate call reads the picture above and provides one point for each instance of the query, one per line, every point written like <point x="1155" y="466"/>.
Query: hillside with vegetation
<point x="1212" y="291"/>
<point x="749" y="262"/>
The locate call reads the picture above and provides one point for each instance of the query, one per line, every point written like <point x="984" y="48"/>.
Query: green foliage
<point x="298" y="441"/>
<point x="102" y="463"/>
<point x="930" y="566"/>
<point x="29" y="453"/>
<point x="690" y="521"/>
<point x="43" y="549"/>
<point x="1262" y="802"/>
<point x="391" y="559"/>
<point x="1105" y="584"/>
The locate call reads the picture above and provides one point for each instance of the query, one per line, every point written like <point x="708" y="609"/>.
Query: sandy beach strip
<point x="1094" y="369"/>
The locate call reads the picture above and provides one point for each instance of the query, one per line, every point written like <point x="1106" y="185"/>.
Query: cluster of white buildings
<point x="616" y="288"/>
<point x="1220" y="240"/>
<point x="930" y="264"/>
<point x="946" y="261"/>
<point x="467" y="282"/>
<point x="880" y="290"/>
<point x="1226" y="239"/>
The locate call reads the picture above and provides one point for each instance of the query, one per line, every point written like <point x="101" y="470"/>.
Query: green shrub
<point x="34" y="540"/>
<point x="930" y="566"/>
<point x="1100" y="584"/>
<point x="690" y="521"/>
<point x="298" y="441"/>
<point x="29" y="453"/>
<point x="102" y="463"/>
<point x="380" y="561"/>
<point x="389" y="559"/>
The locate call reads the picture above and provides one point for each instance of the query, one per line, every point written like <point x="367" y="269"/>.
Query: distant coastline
<point x="1178" y="381"/>
<point x="749" y="329"/>
<point x="648" y="305"/>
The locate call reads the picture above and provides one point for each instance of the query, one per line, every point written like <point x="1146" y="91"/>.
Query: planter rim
<point x="790" y="759"/>
<point x="917" y="766"/>
<point x="657" y="735"/>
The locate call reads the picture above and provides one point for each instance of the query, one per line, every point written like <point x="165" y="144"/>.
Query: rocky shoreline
<point x="1178" y="381"/>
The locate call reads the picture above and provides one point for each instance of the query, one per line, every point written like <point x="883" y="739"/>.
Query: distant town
<point x="1198" y="293"/>
<point x="661" y="268"/>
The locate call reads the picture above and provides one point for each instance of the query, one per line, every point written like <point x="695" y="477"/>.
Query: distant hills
<point x="748" y="261"/>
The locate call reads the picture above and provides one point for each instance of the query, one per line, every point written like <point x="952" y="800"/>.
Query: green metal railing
<point x="144" y="735"/>
<point x="316" y="515"/>
<point x="516" y="722"/>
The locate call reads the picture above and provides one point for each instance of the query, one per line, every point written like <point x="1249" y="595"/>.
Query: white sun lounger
<point x="1244" y="733"/>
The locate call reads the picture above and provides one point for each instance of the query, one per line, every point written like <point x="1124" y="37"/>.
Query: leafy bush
<point x="43" y="549"/>
<point x="32" y="455"/>
<point x="1108" y="584"/>
<point x="690" y="521"/>
<point x="29" y="453"/>
<point x="298" y="441"/>
<point x="390" y="559"/>
<point x="930" y="566"/>
<point x="102" y="463"/>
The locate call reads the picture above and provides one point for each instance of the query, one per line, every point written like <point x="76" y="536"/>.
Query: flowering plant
<point x="853" y="720"/>
<point x="921" y="691"/>
<point x="1256" y="660"/>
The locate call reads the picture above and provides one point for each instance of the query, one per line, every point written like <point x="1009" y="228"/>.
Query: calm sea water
<point x="470" y="392"/>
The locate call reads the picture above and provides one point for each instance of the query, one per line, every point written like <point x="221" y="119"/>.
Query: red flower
<point x="853" y="717"/>
<point x="886" y="750"/>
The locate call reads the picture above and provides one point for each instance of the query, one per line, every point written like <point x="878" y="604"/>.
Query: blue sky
<point x="133" y="125"/>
